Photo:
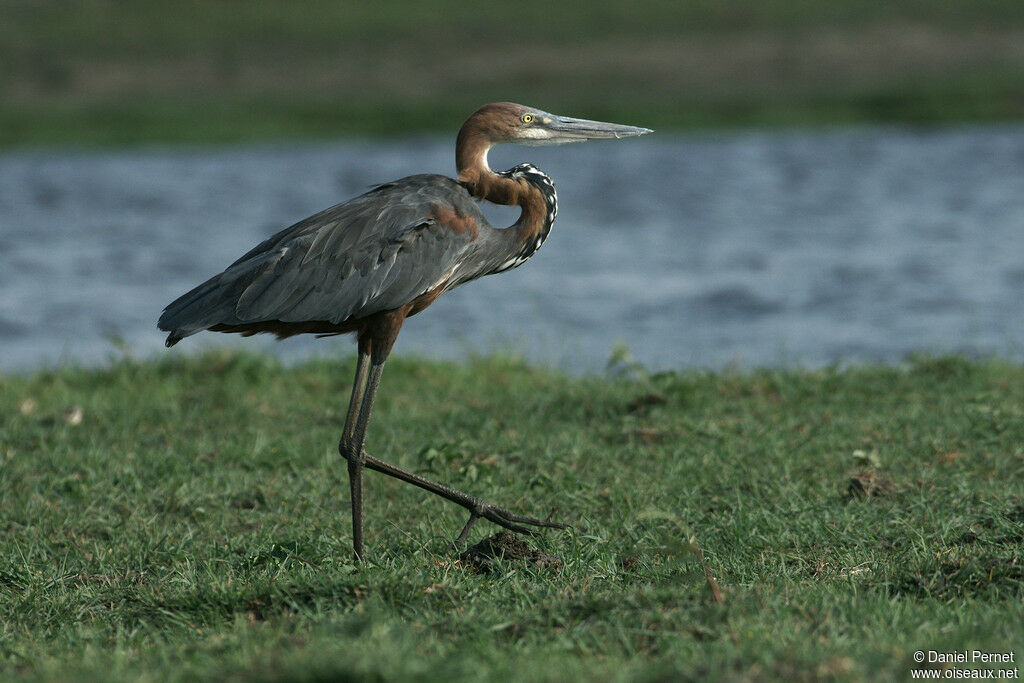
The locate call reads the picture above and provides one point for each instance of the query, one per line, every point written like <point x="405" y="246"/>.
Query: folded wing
<point x="373" y="253"/>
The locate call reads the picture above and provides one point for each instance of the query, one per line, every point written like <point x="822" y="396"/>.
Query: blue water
<point x="751" y="248"/>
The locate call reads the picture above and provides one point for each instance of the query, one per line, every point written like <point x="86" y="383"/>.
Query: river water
<point x="793" y="248"/>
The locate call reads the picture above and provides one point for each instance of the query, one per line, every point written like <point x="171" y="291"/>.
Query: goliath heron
<point x="367" y="264"/>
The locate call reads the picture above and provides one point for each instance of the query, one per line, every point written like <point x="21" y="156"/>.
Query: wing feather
<point x="371" y="254"/>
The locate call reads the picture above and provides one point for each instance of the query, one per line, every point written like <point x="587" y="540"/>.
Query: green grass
<point x="194" y="521"/>
<point x="125" y="72"/>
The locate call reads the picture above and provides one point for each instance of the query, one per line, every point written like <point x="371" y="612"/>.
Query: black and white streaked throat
<point x="542" y="182"/>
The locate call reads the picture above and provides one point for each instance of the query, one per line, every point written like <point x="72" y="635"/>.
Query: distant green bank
<point x="225" y="121"/>
<point x="119" y="72"/>
<point x="187" y="518"/>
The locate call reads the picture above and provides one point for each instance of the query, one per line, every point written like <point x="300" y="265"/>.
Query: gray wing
<point x="373" y="253"/>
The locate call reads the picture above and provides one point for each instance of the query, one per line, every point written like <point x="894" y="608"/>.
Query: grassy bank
<point x="188" y="517"/>
<point x="122" y="72"/>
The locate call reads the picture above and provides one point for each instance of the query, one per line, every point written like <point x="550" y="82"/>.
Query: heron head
<point x="500" y="122"/>
<point x="516" y="123"/>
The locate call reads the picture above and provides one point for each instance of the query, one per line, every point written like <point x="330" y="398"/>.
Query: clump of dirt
<point x="483" y="557"/>
<point x="1016" y="514"/>
<point x="869" y="484"/>
<point x="642" y="403"/>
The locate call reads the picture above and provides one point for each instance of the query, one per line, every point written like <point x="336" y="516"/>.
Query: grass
<point x="123" y="72"/>
<point x="187" y="517"/>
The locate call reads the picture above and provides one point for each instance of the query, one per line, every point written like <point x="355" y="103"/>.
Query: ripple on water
<point x="750" y="247"/>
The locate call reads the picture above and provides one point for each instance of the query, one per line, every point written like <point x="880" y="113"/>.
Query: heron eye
<point x="527" y="118"/>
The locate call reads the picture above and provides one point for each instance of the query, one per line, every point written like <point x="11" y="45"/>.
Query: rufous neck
<point x="475" y="174"/>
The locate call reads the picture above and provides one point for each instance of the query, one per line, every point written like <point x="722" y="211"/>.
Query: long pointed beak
<point x="565" y="129"/>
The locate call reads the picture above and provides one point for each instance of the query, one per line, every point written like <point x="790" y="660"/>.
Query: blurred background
<point x="829" y="182"/>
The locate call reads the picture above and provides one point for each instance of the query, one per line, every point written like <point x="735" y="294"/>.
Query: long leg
<point x="374" y="348"/>
<point x="356" y="459"/>
<point x="358" y="389"/>
<point x="348" y="449"/>
<point x="364" y="390"/>
<point x="477" y="508"/>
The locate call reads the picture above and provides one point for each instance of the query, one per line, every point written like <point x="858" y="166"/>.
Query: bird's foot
<point x="478" y="509"/>
<point x="502" y="518"/>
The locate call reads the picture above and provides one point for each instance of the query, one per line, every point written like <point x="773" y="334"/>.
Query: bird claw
<point x="477" y="508"/>
<point x="503" y="518"/>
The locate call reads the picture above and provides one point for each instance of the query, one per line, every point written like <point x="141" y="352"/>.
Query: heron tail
<point x="208" y="304"/>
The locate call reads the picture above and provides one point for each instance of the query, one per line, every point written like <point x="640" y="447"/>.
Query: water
<point x="750" y="248"/>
